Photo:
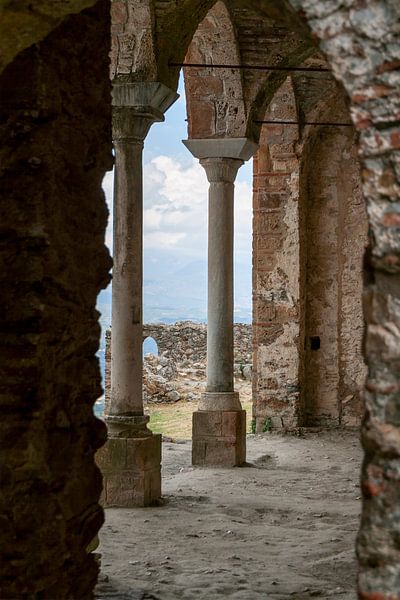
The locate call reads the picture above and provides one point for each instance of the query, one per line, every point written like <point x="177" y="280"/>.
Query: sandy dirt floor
<point x="281" y="528"/>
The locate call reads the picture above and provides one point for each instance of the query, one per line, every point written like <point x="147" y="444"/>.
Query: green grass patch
<point x="175" y="420"/>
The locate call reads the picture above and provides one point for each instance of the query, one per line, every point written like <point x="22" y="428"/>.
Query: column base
<point x="219" y="438"/>
<point x="220" y="401"/>
<point x="131" y="468"/>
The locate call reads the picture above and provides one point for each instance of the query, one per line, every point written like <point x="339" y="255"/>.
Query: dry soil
<point x="283" y="527"/>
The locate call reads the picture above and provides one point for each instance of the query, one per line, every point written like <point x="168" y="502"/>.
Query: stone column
<point x="131" y="459"/>
<point x="219" y="425"/>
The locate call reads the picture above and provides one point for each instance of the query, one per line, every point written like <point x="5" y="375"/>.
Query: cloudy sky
<point x="175" y="205"/>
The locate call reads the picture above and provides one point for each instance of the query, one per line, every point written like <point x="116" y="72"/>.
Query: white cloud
<point x="175" y="209"/>
<point x="108" y="187"/>
<point x="160" y="239"/>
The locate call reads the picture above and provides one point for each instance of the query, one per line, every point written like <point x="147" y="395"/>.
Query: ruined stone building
<point x="311" y="89"/>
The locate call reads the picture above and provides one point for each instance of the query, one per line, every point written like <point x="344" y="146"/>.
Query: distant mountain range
<point x="176" y="290"/>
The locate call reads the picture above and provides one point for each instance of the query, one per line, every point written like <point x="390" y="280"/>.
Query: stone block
<point x="208" y="423"/>
<point x="142" y="454"/>
<point x="112" y="456"/>
<point x="222" y="453"/>
<point x="136" y="480"/>
<point x="232" y="425"/>
<point x="225" y="447"/>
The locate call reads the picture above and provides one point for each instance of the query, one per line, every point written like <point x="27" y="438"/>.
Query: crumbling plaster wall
<point x="310" y="233"/>
<point x="55" y="147"/>
<point x="309" y="368"/>
<point x="334" y="242"/>
<point x="276" y="268"/>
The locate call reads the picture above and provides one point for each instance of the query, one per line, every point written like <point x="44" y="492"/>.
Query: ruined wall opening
<point x="150" y="346"/>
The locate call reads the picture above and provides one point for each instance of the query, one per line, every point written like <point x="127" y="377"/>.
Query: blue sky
<point x="175" y="206"/>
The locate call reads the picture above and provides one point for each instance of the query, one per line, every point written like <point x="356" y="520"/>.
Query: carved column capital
<point x="238" y="148"/>
<point x="221" y="170"/>
<point x="130" y="124"/>
<point x="136" y="106"/>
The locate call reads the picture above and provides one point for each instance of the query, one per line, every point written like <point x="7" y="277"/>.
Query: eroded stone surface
<point x="182" y="351"/>
<point x="131" y="471"/>
<point x="361" y="42"/>
<point x="310" y="232"/>
<point x="27" y="22"/>
<point x="55" y="147"/>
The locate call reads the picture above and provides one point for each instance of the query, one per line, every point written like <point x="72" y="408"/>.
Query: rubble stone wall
<point x="55" y="147"/>
<point x="181" y="346"/>
<point x="187" y="341"/>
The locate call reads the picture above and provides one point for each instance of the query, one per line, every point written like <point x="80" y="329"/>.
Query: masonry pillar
<point x="219" y="425"/>
<point x="130" y="461"/>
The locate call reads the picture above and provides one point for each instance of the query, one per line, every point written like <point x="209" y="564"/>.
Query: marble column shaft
<point x="219" y="424"/>
<point x="221" y="173"/>
<point x="130" y="127"/>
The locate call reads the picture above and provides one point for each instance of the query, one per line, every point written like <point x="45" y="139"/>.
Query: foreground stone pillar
<point x="219" y="425"/>
<point x="131" y="460"/>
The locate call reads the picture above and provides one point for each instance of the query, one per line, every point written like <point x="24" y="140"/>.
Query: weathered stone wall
<point x="361" y="41"/>
<point x="309" y="238"/>
<point x="334" y="244"/>
<point x="183" y="346"/>
<point x="55" y="148"/>
<point x="187" y="341"/>
<point x="276" y="268"/>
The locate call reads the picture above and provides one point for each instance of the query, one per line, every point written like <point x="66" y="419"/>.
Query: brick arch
<point x="147" y="36"/>
<point x="215" y="103"/>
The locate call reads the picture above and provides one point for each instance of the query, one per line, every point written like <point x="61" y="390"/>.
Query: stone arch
<point x="176" y="25"/>
<point x="55" y="148"/>
<point x="215" y="103"/>
<point x="148" y="36"/>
